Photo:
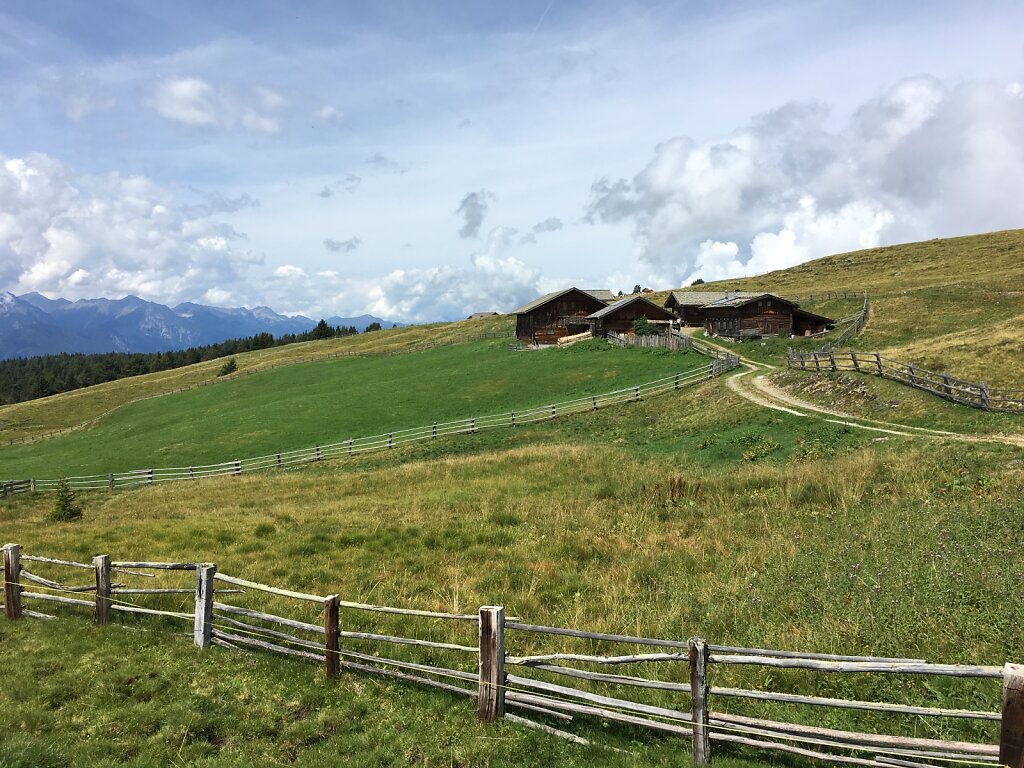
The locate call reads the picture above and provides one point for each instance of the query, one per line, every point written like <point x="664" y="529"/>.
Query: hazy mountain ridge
<point x="32" y="324"/>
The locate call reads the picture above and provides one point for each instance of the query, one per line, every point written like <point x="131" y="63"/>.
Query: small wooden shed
<point x="619" y="317"/>
<point x="563" y="313"/>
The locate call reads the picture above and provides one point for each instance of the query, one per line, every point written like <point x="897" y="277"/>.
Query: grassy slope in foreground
<point x="71" y="409"/>
<point x="833" y="543"/>
<point x="953" y="304"/>
<point x="330" y="401"/>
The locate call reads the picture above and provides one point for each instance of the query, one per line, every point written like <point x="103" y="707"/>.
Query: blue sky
<point x="425" y="160"/>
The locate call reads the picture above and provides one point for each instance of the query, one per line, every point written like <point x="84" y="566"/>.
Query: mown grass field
<point x="790" y="533"/>
<point x="332" y="400"/>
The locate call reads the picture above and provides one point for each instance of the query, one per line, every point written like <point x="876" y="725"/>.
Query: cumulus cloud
<point x="473" y="210"/>
<point x="326" y="192"/>
<point x="921" y="160"/>
<point x="492" y="280"/>
<point x="80" y="236"/>
<point x="329" y="115"/>
<point x="342" y="246"/>
<point x="196" y="103"/>
<point x="289" y="270"/>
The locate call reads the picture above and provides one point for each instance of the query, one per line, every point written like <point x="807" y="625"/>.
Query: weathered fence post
<point x="110" y="481"/>
<point x="832" y="359"/>
<point x="391" y="441"/>
<point x="513" y="418"/>
<point x="491" y="698"/>
<point x="12" y="581"/>
<point x="472" y="425"/>
<point x="878" y="362"/>
<point x="203" y="628"/>
<point x="856" y="362"/>
<point x="149" y="476"/>
<point x="636" y="394"/>
<point x="910" y="373"/>
<point x="946" y="386"/>
<point x="32" y="485"/>
<point x="318" y="453"/>
<point x="593" y="400"/>
<point x="332" y="661"/>
<point x="1011" y="731"/>
<point x="350" y="446"/>
<point x="677" y="381"/>
<point x="102" y="611"/>
<point x="279" y="461"/>
<point x="433" y="431"/>
<point x="699" y="708"/>
<point x="238" y="466"/>
<point x="552" y="411"/>
<point x="817" y="362"/>
<point x="983" y="390"/>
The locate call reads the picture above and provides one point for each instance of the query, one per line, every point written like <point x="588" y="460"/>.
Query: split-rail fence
<point x="489" y="668"/>
<point x="977" y="394"/>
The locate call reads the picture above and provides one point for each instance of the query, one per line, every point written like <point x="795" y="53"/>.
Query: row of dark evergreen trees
<point x="27" y="378"/>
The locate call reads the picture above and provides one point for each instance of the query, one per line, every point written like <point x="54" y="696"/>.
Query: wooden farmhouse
<point x="688" y="306"/>
<point x="559" y="314"/>
<point x="619" y="317"/>
<point x="764" y="314"/>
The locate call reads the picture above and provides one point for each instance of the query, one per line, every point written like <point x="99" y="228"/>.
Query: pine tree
<point x="65" y="507"/>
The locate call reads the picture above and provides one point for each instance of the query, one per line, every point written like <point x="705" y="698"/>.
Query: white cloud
<point x="196" y="103"/>
<point x="494" y="280"/>
<point x="330" y="115"/>
<point x="921" y="160"/>
<point x="289" y="270"/>
<point x="63" y="233"/>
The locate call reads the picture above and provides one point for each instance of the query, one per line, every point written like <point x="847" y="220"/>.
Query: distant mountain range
<point x="32" y="324"/>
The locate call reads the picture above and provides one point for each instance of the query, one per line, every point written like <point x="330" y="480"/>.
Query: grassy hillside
<point x="953" y="305"/>
<point x="330" y="401"/>
<point x="81" y="407"/>
<point x="790" y="535"/>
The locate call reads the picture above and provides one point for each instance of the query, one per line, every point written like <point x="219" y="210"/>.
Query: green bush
<point x="230" y="366"/>
<point x="65" y="507"/>
<point x="644" y="327"/>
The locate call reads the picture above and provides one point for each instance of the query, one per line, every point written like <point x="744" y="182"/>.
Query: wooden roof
<point x="611" y="309"/>
<point x="703" y="298"/>
<point x="740" y="301"/>
<point x="598" y="294"/>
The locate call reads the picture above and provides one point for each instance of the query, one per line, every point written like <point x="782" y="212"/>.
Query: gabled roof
<point x="611" y="309"/>
<point x="703" y="298"/>
<point x="813" y="316"/>
<point x="742" y="300"/>
<point x="603" y="295"/>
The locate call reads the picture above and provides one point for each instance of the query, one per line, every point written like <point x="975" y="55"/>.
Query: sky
<point x="424" y="160"/>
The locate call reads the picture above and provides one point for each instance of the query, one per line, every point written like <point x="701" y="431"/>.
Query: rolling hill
<point x="790" y="532"/>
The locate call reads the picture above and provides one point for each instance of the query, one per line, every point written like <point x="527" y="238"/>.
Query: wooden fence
<point x="675" y="340"/>
<point x="473" y="655"/>
<point x="390" y="440"/>
<point x="12" y="487"/>
<point x="977" y="394"/>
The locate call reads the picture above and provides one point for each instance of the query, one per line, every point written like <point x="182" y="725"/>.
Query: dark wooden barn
<point x="619" y="317"/>
<point x="764" y="314"/>
<point x="688" y="306"/>
<point x="559" y="314"/>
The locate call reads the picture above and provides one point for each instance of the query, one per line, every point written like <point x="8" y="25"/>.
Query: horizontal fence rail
<point x="720" y="363"/>
<point x="668" y="691"/>
<point x="977" y="394"/>
<point x="854" y="325"/>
